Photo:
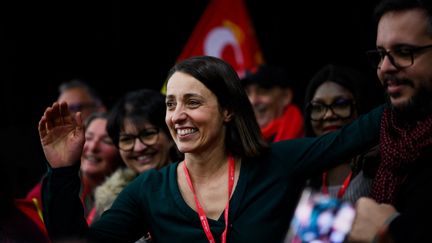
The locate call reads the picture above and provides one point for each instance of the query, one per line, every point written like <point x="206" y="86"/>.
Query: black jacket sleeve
<point x="63" y="212"/>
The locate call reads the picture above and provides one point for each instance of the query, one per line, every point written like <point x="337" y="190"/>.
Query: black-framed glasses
<point x="81" y="106"/>
<point x="401" y="57"/>
<point x="343" y="108"/>
<point x="148" y="136"/>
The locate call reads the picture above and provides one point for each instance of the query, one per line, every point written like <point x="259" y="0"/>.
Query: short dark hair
<point x="268" y="76"/>
<point x="243" y="133"/>
<point x="138" y="106"/>
<point x="398" y="5"/>
<point x="79" y="83"/>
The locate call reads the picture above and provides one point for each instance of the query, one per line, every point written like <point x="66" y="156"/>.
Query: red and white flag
<point x="225" y="30"/>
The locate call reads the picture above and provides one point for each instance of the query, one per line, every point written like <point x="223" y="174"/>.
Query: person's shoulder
<point x="115" y="182"/>
<point x="156" y="176"/>
<point x="153" y="181"/>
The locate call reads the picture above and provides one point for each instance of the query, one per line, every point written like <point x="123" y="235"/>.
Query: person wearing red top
<point x="20" y="219"/>
<point x="271" y="94"/>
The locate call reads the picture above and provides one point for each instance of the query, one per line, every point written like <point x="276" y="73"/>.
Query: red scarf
<point x="400" y="144"/>
<point x="287" y="126"/>
<point x="33" y="211"/>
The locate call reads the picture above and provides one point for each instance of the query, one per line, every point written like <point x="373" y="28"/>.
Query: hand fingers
<point x="53" y="116"/>
<point x="64" y="111"/>
<point x="364" y="202"/>
<point x="42" y="127"/>
<point x="48" y="120"/>
<point x="78" y="120"/>
<point x="58" y="114"/>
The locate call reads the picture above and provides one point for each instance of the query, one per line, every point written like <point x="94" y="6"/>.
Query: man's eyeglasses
<point x="401" y="57"/>
<point x="342" y="108"/>
<point x="148" y="136"/>
<point x="81" y="106"/>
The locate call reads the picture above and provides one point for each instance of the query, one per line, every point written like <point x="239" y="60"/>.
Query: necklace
<point x="201" y="213"/>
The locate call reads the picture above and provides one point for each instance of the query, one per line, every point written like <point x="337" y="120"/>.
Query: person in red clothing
<point x="271" y="94"/>
<point x="20" y="219"/>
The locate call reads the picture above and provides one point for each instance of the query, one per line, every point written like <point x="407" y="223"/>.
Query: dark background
<point x="123" y="45"/>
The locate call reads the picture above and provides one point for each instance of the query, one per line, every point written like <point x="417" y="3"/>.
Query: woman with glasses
<point x="336" y="95"/>
<point x="137" y="127"/>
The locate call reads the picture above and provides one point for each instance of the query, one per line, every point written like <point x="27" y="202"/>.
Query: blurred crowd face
<point x="403" y="30"/>
<point x="268" y="103"/>
<point x="331" y="107"/>
<point x="100" y="157"/>
<point x="144" y="146"/>
<point x="79" y="99"/>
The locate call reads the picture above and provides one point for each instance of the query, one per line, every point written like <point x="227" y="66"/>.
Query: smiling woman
<point x="99" y="159"/>
<point x="336" y="96"/>
<point x="138" y="130"/>
<point x="193" y="115"/>
<point x="231" y="186"/>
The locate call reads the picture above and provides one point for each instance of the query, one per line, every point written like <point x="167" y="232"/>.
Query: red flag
<point x="225" y="31"/>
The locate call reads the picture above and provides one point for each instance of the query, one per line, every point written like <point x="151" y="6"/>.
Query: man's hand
<point x="370" y="220"/>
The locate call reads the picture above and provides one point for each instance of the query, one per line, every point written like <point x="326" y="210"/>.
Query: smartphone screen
<point x="320" y="218"/>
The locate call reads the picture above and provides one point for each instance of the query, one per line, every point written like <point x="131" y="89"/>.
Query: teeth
<point x="185" y="131"/>
<point x="92" y="158"/>
<point x="143" y="157"/>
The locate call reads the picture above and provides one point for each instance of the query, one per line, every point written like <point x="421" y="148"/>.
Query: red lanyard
<point x="201" y="212"/>
<point x="343" y="187"/>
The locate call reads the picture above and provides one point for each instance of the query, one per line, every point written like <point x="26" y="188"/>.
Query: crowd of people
<point x="223" y="159"/>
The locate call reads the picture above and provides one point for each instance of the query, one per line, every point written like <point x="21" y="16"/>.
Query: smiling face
<point x="193" y="115"/>
<point x="268" y="103"/>
<point x="142" y="157"/>
<point x="100" y="157"/>
<point x="406" y="87"/>
<point x="329" y="93"/>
